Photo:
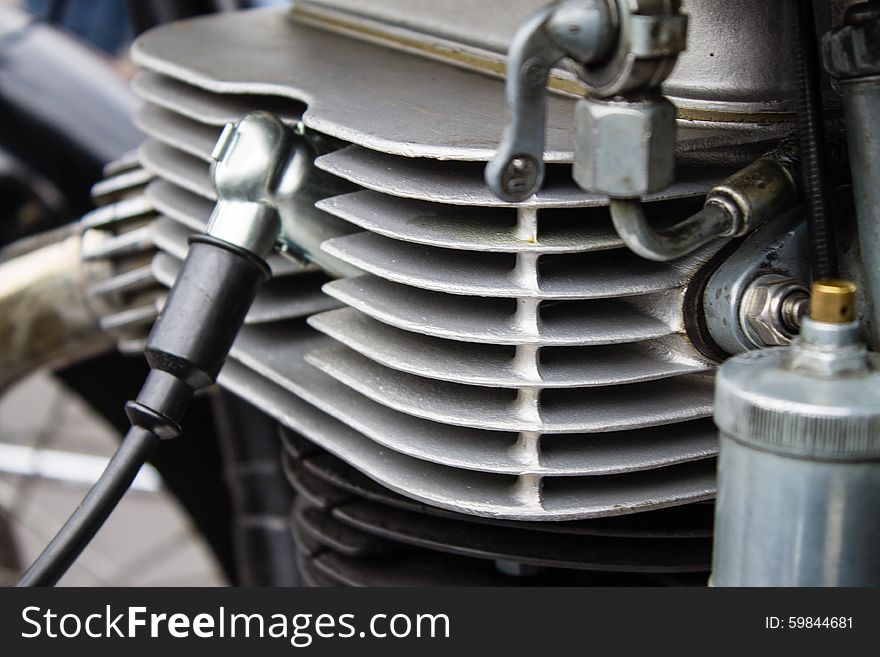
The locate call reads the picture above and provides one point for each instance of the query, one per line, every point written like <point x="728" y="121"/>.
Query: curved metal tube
<point x="628" y="216"/>
<point x="735" y="207"/>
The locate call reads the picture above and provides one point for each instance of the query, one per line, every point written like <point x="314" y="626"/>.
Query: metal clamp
<point x="650" y="36"/>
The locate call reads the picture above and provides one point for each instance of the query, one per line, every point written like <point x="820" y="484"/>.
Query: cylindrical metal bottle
<point x="799" y="467"/>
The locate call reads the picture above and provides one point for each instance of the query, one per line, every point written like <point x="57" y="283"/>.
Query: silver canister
<point x="799" y="465"/>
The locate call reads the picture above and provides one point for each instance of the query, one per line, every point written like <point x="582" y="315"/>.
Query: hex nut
<point x="624" y="149"/>
<point x="763" y="309"/>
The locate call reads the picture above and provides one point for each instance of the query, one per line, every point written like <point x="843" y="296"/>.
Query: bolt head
<point x="624" y="149"/>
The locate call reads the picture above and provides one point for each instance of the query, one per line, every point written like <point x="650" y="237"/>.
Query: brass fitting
<point x="833" y="301"/>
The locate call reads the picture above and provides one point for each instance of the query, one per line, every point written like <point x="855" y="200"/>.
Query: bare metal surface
<point x="133" y="280"/>
<point x="462" y="183"/>
<point x="459" y="116"/>
<point x="246" y="169"/>
<point x="493" y="365"/>
<point x="565" y="411"/>
<point x="676" y="241"/>
<point x="206" y="107"/>
<point x="240" y="67"/>
<point x="183" y="170"/>
<point x="862" y="103"/>
<point x="119" y="184"/>
<point x="604" y="321"/>
<point x="303" y="226"/>
<point x="473" y="229"/>
<point x="464" y="21"/>
<point x="500" y="360"/>
<point x="818" y="398"/>
<point x="850" y="50"/>
<point x="604" y="274"/>
<point x="517" y="169"/>
<point x="271" y="352"/>
<point x="466" y="491"/>
<point x="625" y="148"/>
<point x="192" y="137"/>
<point x="455" y="328"/>
<point x="133" y="208"/>
<point x="728" y="65"/>
<point x="500" y="461"/>
<point x="187" y="209"/>
<point x="649" y="38"/>
<point x="117" y="249"/>
<point x="132" y="242"/>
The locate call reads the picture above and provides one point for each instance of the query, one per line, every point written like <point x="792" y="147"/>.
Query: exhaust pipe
<point x="46" y="319"/>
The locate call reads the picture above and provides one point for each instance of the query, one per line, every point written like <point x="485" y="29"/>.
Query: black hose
<point x="95" y="508"/>
<point x="811" y="138"/>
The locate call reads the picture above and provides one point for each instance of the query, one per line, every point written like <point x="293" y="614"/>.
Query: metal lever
<point x="583" y="29"/>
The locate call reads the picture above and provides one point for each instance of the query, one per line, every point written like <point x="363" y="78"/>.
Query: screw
<point x="520" y="176"/>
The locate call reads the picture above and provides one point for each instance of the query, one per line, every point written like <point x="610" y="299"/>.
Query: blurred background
<point x="53" y="445"/>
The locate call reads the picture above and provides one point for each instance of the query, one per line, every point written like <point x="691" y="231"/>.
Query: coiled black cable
<point x="811" y="139"/>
